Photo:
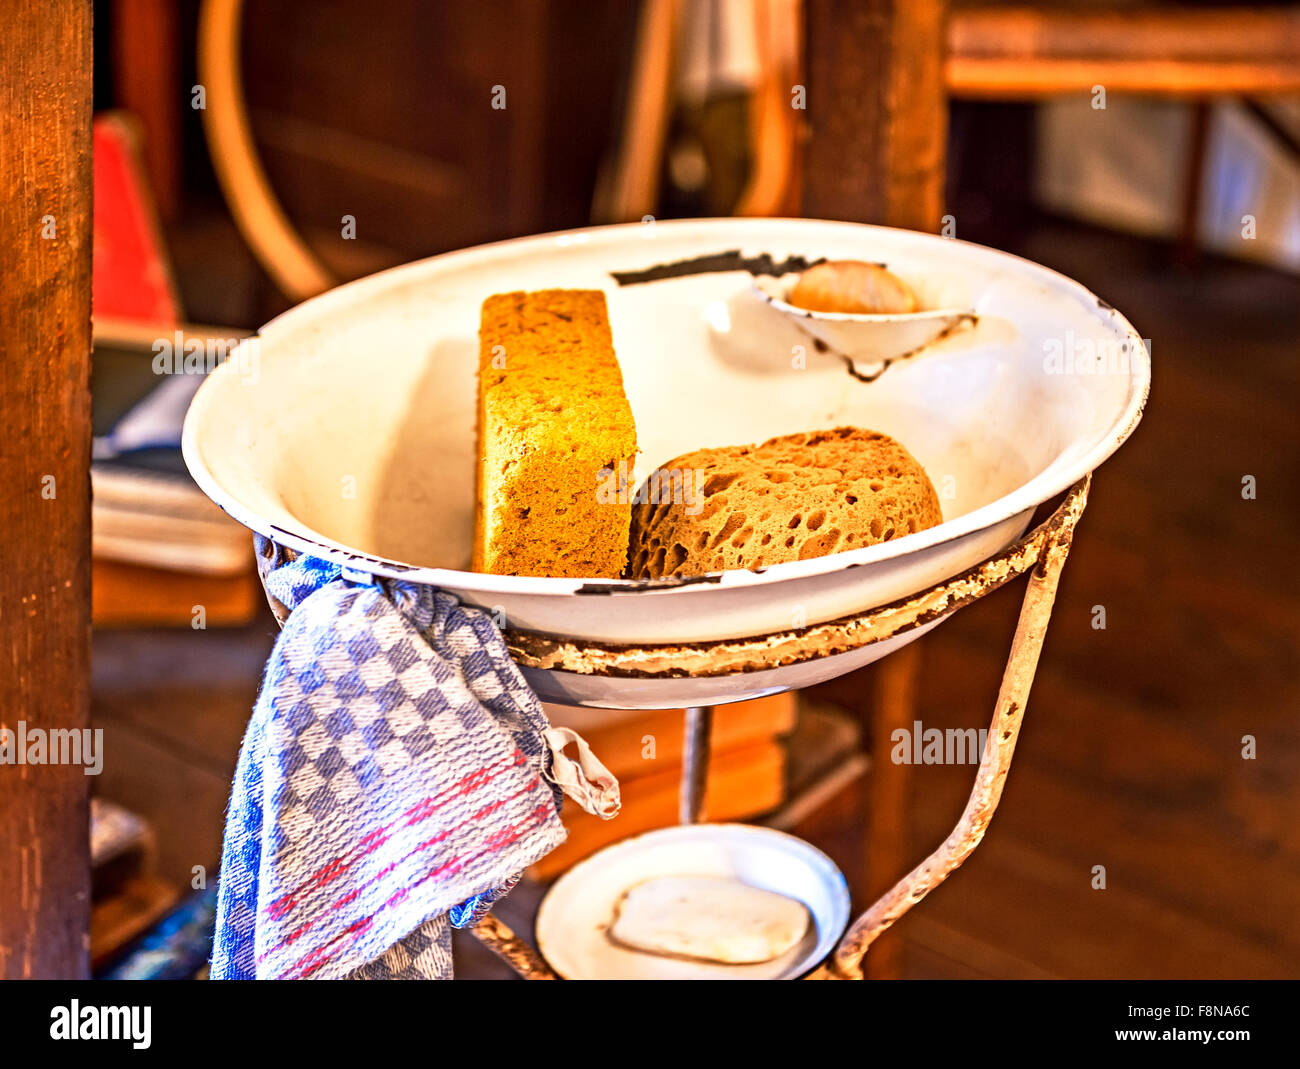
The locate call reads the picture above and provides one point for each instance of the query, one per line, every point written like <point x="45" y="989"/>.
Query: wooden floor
<point x="1131" y="753"/>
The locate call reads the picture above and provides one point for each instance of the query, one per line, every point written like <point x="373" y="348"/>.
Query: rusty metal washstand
<point x="1041" y="553"/>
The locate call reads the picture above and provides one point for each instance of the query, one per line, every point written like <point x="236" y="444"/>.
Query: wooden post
<point x="1187" y="246"/>
<point x="877" y="125"/>
<point x="877" y="113"/>
<point x="45" y="241"/>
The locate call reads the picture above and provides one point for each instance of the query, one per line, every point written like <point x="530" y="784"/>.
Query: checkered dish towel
<point x="396" y="778"/>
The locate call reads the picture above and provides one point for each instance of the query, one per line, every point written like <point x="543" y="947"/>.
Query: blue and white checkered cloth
<point x="395" y="779"/>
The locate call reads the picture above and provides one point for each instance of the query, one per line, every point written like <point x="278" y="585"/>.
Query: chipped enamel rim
<point x="304" y="539"/>
<point x="780" y="649"/>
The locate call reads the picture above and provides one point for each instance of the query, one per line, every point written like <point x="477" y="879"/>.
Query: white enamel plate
<point x="574" y="918"/>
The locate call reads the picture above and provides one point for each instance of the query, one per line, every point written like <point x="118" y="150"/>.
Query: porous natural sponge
<point x="791" y="498"/>
<point x="552" y="417"/>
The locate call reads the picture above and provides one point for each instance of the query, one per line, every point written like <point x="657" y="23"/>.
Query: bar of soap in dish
<point x="710" y="918"/>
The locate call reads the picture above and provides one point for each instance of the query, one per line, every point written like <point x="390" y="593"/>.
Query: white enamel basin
<point x="345" y="429"/>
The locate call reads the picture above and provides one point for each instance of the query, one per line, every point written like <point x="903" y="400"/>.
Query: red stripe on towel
<point x="421" y="810"/>
<point x="322" y="955"/>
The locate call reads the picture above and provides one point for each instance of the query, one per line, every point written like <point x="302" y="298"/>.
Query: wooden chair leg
<point x="1187" y="246"/>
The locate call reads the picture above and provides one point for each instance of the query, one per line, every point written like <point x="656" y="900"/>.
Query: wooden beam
<point x="1024" y="52"/>
<point x="45" y="234"/>
<point x="877" y="113"/>
<point x="876" y="151"/>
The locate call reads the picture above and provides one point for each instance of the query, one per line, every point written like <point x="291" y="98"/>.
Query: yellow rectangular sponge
<point x="554" y="427"/>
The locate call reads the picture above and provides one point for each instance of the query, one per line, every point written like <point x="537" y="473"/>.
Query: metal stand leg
<point x="503" y="942"/>
<point x="498" y="938"/>
<point x="695" y="763"/>
<point x="1035" y="613"/>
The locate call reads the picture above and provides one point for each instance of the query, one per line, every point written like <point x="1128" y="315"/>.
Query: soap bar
<point x="711" y="918"/>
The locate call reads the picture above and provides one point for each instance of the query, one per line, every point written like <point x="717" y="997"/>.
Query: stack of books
<point x="163" y="553"/>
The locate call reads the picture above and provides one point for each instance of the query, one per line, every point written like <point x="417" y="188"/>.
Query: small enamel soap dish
<point x="575" y="916"/>
<point x="870" y="342"/>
